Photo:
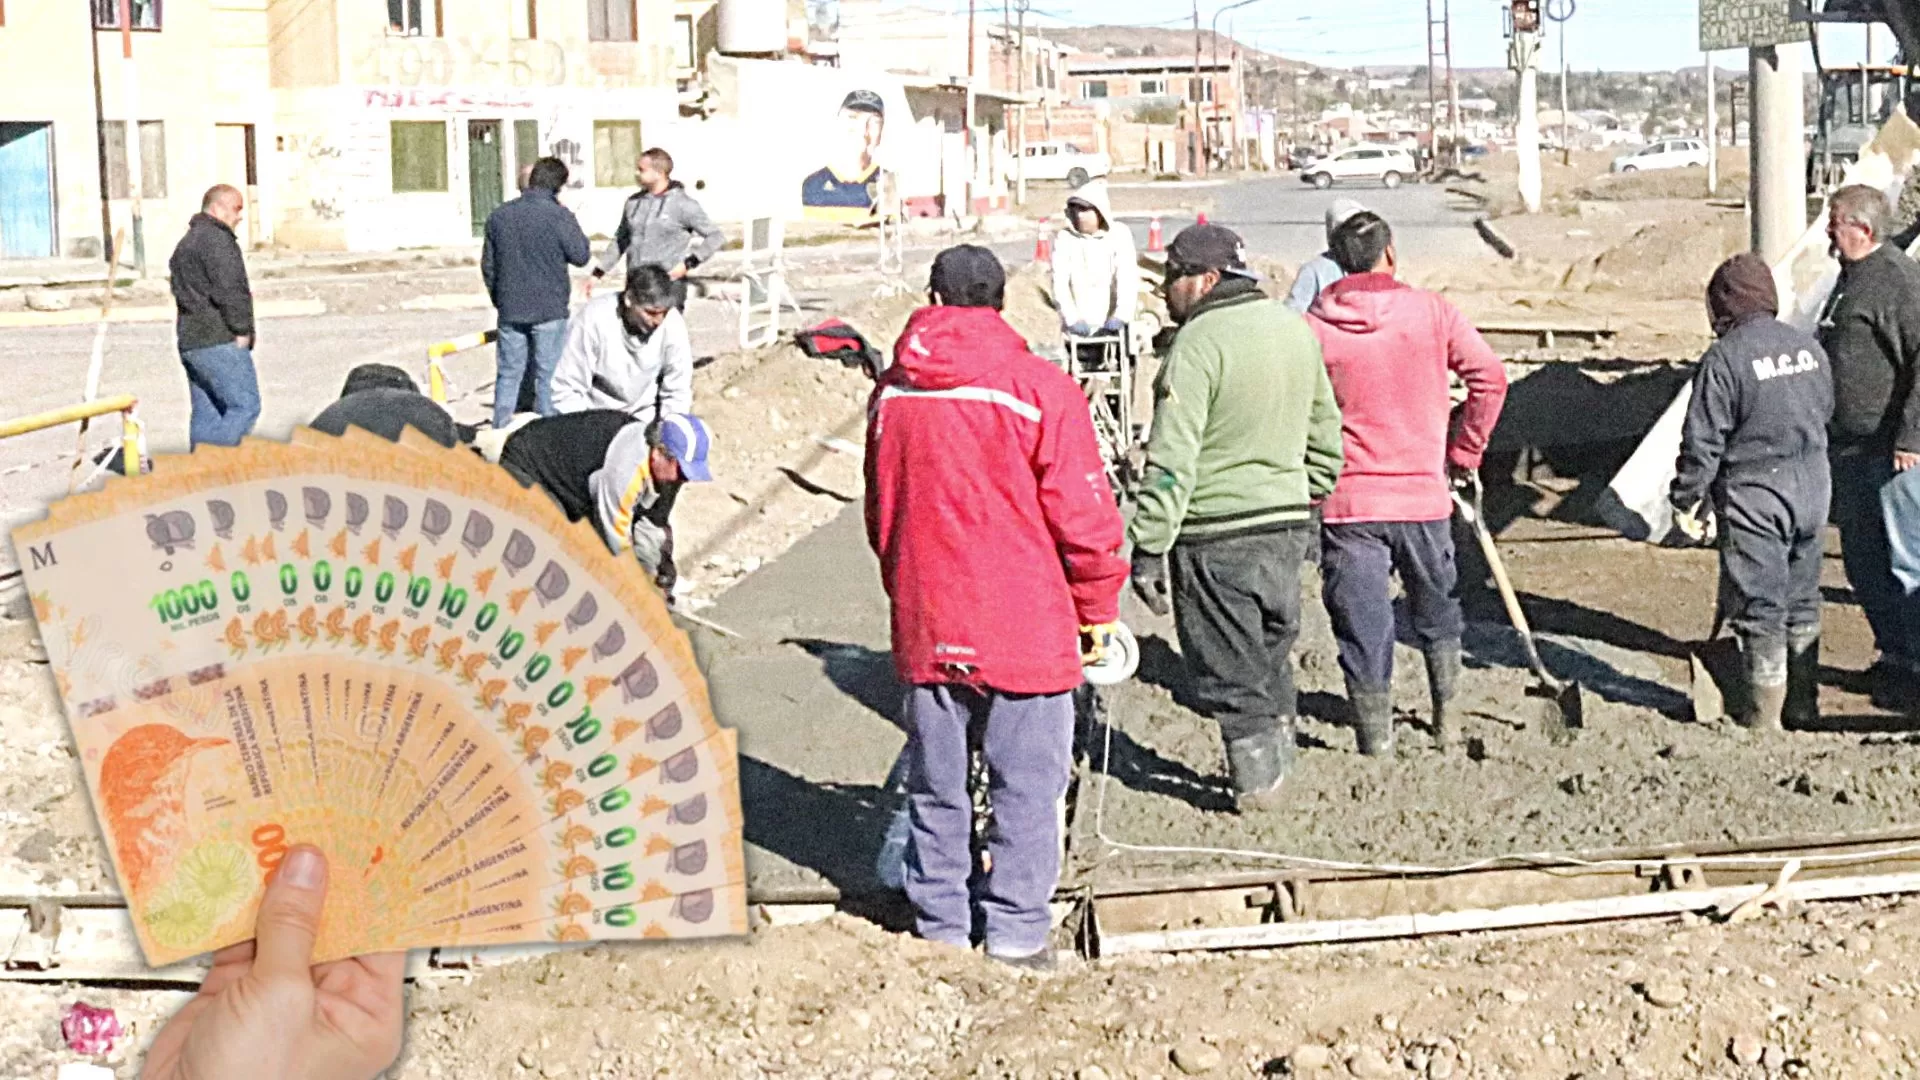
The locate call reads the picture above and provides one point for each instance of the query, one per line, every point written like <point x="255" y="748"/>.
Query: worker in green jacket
<point x="1246" y="438"/>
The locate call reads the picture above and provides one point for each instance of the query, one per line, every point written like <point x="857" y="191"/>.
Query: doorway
<point x="26" y="191"/>
<point x="486" y="171"/>
<point x="234" y="158"/>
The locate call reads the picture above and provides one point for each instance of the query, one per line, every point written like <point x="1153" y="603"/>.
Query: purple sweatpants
<point x="1029" y="752"/>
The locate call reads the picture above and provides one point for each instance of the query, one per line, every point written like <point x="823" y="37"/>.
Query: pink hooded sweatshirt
<point x="1389" y="348"/>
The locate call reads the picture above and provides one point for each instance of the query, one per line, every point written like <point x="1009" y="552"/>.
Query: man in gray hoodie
<point x="1321" y="270"/>
<point x="661" y="226"/>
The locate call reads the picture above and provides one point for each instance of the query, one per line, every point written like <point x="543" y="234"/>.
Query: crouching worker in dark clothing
<point x="385" y="400"/>
<point x="622" y="474"/>
<point x="1753" y="455"/>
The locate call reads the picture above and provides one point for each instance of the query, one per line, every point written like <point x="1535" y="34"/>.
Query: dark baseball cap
<point x="968" y="275"/>
<point x="1200" y="248"/>
<point x="864" y="101"/>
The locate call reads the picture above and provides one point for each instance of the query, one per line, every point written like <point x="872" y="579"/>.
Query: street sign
<point x="1742" y="24"/>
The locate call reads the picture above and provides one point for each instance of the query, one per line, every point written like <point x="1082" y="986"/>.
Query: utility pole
<point x="100" y="143"/>
<point x="1566" y="149"/>
<point x="1713" y="131"/>
<point x="1523" y="53"/>
<point x="1020" y="104"/>
<point x="1433" y="100"/>
<point x="130" y="86"/>
<point x="966" y="120"/>
<point x="1776" y="190"/>
<point x="1196" y="138"/>
<point x="1453" y="85"/>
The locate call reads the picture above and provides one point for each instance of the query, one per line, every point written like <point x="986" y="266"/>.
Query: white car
<point x="1671" y="154"/>
<point x="1063" y="161"/>
<point x="1384" y="165"/>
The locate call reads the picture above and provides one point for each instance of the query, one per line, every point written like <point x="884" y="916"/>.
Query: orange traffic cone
<point x="1043" y="245"/>
<point x="1201" y="219"/>
<point x="1153" y="235"/>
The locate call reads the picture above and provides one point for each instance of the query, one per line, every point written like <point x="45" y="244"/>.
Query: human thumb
<point x="289" y="918"/>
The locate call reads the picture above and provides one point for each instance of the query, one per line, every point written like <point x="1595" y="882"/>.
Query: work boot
<point x="1802" y="709"/>
<point x="1443" y="676"/>
<point x="1372" y="720"/>
<point x="1767" y="681"/>
<point x="1894" y="686"/>
<point x="1259" y="764"/>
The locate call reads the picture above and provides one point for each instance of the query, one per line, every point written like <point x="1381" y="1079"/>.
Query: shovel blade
<point x="1563" y="709"/>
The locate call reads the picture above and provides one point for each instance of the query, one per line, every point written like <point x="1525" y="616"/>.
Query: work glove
<point x="1095" y="640"/>
<point x="1696" y="523"/>
<point x="1151" y="584"/>
<point x="1080" y="329"/>
<point x="1112" y="326"/>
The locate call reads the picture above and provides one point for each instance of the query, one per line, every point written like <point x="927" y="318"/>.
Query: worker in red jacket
<point x="999" y="544"/>
<point x="1389" y="349"/>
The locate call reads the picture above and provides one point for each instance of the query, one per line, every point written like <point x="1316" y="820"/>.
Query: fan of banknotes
<point x="396" y="653"/>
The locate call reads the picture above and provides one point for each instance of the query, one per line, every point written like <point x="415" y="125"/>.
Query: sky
<point x="1614" y="35"/>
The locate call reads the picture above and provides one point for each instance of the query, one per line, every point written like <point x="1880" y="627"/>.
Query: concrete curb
<point x="87" y="316"/>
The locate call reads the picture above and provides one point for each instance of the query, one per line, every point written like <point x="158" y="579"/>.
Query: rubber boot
<point x="1372" y="720"/>
<point x="1258" y="764"/>
<point x="1767" y="681"/>
<point x="1443" y="675"/>
<point x="1802" y="709"/>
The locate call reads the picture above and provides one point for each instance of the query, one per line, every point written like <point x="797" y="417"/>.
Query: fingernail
<point x="303" y="868"/>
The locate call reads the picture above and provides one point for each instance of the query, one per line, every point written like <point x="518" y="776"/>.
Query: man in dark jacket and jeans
<point x="215" y="327"/>
<point x="1755" y="449"/>
<point x="530" y="243"/>
<point x="999" y="545"/>
<point x="1870" y="329"/>
<point x="1246" y="437"/>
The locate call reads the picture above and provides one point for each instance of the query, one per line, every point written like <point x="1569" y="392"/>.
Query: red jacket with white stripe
<point x="988" y="505"/>
<point x="1389" y="349"/>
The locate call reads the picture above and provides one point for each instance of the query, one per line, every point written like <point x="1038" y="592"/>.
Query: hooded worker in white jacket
<point x="1096" y="272"/>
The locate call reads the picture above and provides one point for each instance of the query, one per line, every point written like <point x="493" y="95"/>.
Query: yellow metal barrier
<point x="437" y="387"/>
<point x="87" y="410"/>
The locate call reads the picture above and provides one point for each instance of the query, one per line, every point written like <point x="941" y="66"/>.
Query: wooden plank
<point x="1277" y="935"/>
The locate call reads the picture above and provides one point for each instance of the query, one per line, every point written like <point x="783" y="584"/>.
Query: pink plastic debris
<point x="89" y="1030"/>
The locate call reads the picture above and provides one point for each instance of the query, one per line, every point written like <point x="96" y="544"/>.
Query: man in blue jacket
<point x="530" y="243"/>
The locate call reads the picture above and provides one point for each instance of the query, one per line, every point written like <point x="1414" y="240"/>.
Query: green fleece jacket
<point x="1246" y="433"/>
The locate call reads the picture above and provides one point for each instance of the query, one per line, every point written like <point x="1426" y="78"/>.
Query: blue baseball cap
<point x="687" y="439"/>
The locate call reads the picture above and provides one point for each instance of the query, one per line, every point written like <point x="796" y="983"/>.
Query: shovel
<point x="1566" y="709"/>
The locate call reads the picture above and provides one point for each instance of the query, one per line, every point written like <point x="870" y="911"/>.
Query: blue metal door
<point x="26" y="191"/>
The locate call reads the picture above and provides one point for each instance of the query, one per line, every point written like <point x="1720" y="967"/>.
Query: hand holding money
<point x="267" y="1010"/>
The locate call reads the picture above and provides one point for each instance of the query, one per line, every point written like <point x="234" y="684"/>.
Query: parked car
<point x="1670" y="154"/>
<point x="1063" y="161"/>
<point x="1384" y="165"/>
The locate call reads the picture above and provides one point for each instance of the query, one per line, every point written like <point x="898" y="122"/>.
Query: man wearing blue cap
<point x="624" y="474"/>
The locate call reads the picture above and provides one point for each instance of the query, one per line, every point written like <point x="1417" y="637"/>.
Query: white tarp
<point x="1636" y="498"/>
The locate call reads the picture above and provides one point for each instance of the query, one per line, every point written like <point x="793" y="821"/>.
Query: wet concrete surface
<point x="811" y="689"/>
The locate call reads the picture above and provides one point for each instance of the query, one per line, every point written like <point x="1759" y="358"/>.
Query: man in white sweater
<point x="628" y="352"/>
<point x="1096" y="273"/>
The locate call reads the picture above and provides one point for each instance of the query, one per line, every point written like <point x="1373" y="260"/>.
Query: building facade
<point x="196" y="108"/>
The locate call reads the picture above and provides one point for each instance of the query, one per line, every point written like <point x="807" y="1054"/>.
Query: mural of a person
<point x="845" y="189"/>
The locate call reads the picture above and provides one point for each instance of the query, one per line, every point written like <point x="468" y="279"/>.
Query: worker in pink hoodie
<point x="1389" y="350"/>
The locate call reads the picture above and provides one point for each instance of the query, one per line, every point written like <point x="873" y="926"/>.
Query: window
<point x="419" y="155"/>
<point x="153" y="160"/>
<point x="409" y="18"/>
<point x="684" y="50"/>
<point x="1200" y="89"/>
<point x="526" y="145"/>
<point x="611" y="20"/>
<point x="1150" y="87"/>
<point x="145" y="14"/>
<point x="616" y="150"/>
<point x="1095" y="89"/>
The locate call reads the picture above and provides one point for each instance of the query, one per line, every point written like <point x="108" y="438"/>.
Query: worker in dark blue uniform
<point x="1753" y="456"/>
